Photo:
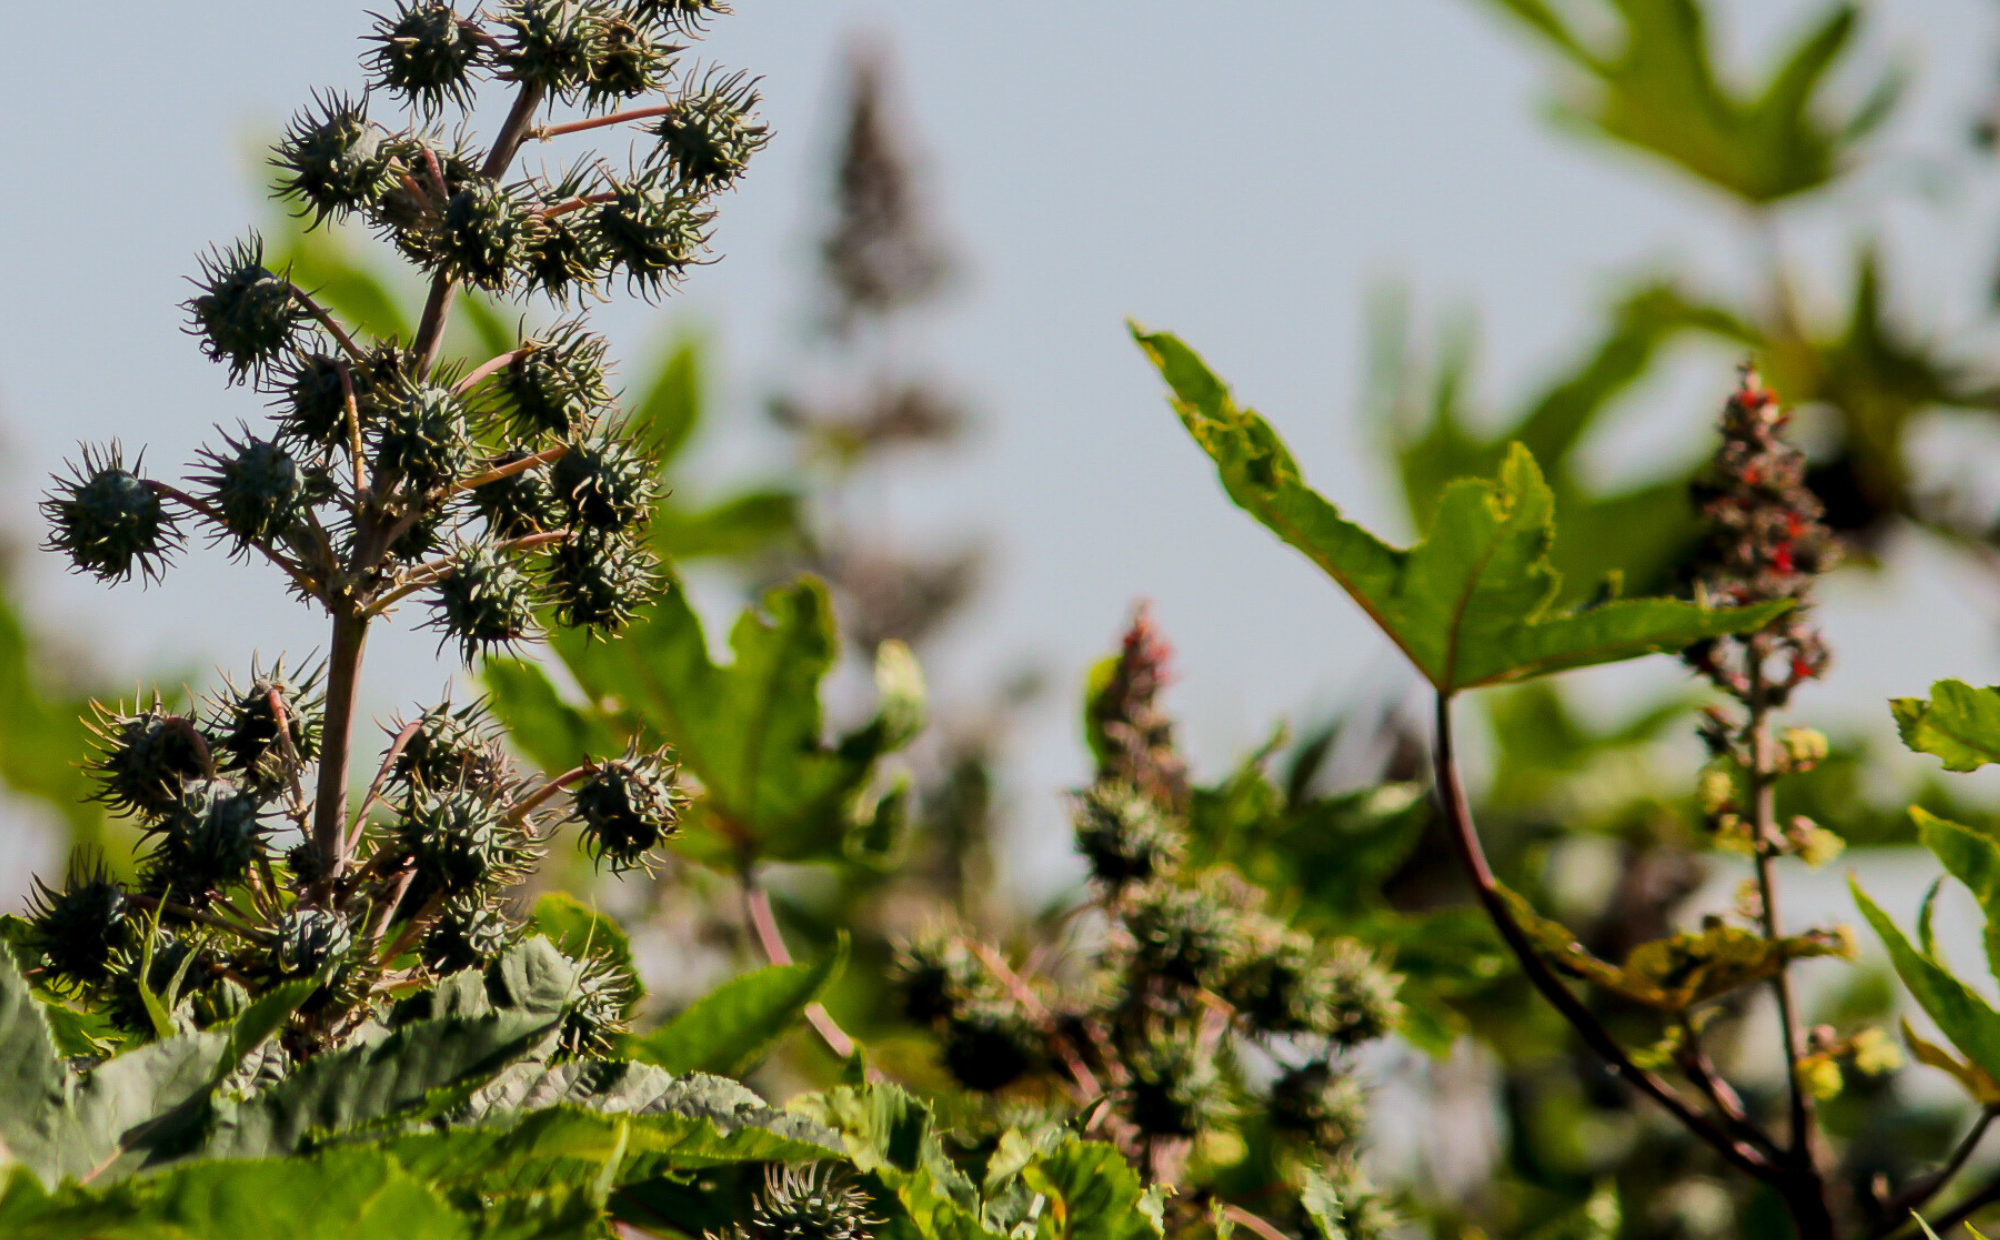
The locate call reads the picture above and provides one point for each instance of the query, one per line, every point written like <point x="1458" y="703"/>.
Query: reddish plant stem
<point x="1913" y="1197"/>
<point x="329" y="832"/>
<point x="396" y="748"/>
<point x="1082" y="1080"/>
<point x="1465" y="840"/>
<point x="486" y="369"/>
<point x="298" y="574"/>
<point x="547" y="132"/>
<point x="757" y="910"/>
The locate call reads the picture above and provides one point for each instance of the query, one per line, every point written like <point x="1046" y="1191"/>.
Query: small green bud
<point x="249" y="740"/>
<point x="1176" y="1090"/>
<point x="989" y="1043"/>
<point x="1805" y="748"/>
<point x="600" y="1003"/>
<point x="1121" y="833"/>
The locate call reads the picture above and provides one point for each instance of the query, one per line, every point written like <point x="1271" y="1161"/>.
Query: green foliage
<point x="750" y="731"/>
<point x="729" y="1029"/>
<point x="1957" y="723"/>
<point x="1470" y="604"/>
<point x="1657" y="87"/>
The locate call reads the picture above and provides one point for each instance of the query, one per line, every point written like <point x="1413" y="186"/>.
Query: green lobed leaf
<point x="729" y="1029"/>
<point x="1470" y="605"/>
<point x="1957" y="723"/>
<point x="1094" y="1193"/>
<point x="1973" y="859"/>
<point x="1654" y="85"/>
<point x="1961" y="1014"/>
<point x="751" y="731"/>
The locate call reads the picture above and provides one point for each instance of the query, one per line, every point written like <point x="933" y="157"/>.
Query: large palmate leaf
<point x="1964" y="1017"/>
<point x="729" y="1029"/>
<point x="1471" y="604"/>
<point x="751" y="731"/>
<point x="1656" y="87"/>
<point x="1957" y="723"/>
<point x="1640" y="533"/>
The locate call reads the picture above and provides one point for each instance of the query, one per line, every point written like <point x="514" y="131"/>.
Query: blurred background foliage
<point x="871" y="829"/>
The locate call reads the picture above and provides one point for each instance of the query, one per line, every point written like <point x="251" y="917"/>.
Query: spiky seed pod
<point x="569" y="255"/>
<point x="249" y="740"/>
<point x="556" y="382"/>
<point x="78" y="929"/>
<point x="1123" y="836"/>
<point x="548" y="42"/>
<point x="207" y="842"/>
<point x="519" y="504"/>
<point x="678" y="16"/>
<point x="709" y="135"/>
<point x="307" y="864"/>
<point x="933" y="973"/>
<point x="331" y="159"/>
<point x="260" y="490"/>
<point x="813" y="1202"/>
<point x="652" y="231"/>
<point x="172" y="958"/>
<point x="108" y="520"/>
<point x="603" y="483"/>
<point x="486" y="235"/>
<point x="599" y="581"/>
<point x="626" y="61"/>
<point x="1318" y="1105"/>
<point x="989" y="1043"/>
<point x="468" y="933"/>
<point x="420" y="437"/>
<point x="245" y="314"/>
<point x="427" y="534"/>
<point x="451" y="748"/>
<point x="410" y="212"/>
<point x="145" y="759"/>
<point x="1180" y="933"/>
<point x="628" y="806"/>
<point x="306" y="940"/>
<point x="484" y="602"/>
<point x="428" y="54"/>
<point x="1287" y="982"/>
<point x="460" y="841"/>
<point x="312" y="402"/>
<point x="1176" y="1090"/>
<point x="600" y="1002"/>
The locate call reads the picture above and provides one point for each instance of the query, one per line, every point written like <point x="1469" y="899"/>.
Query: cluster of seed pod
<point x="507" y="495"/>
<point x="1195" y="982"/>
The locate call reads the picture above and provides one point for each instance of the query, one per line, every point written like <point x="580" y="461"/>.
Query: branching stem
<point x="1465" y="839"/>
<point x="546" y="132"/>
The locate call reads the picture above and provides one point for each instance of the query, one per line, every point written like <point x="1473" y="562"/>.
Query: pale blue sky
<point x="1240" y="174"/>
